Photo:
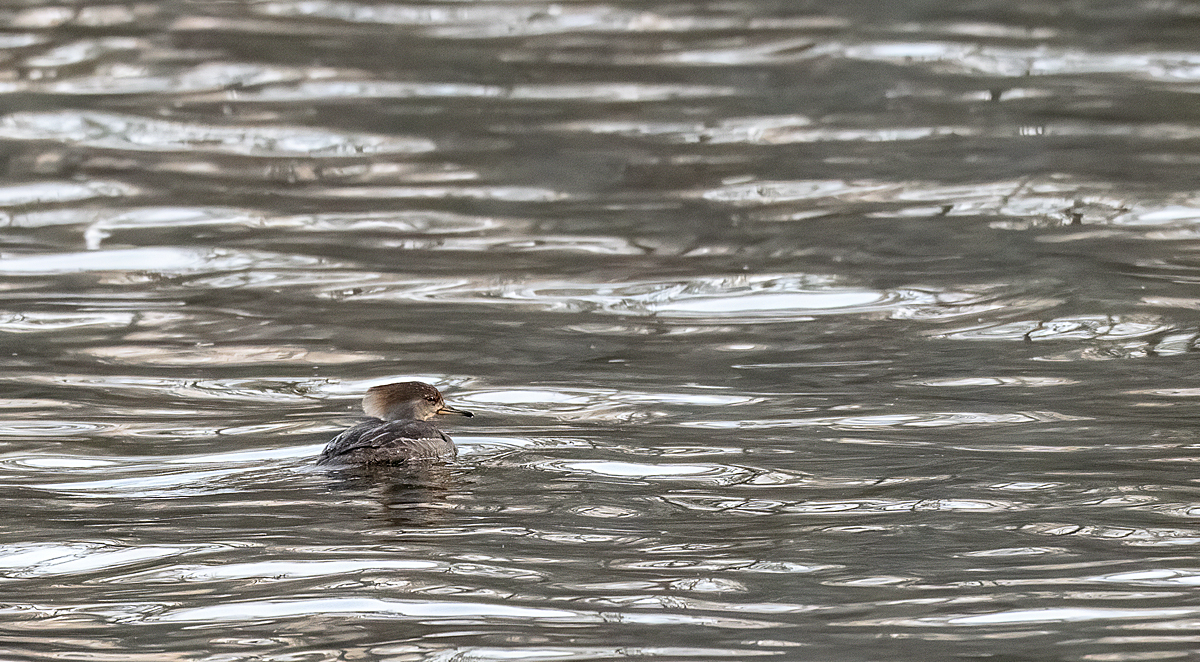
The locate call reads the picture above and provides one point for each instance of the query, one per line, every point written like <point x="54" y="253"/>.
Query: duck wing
<point x="378" y="441"/>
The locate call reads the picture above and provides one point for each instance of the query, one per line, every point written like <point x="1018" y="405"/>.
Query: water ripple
<point x="140" y="134"/>
<point x="275" y="570"/>
<point x="351" y="89"/>
<point x="93" y="16"/>
<point x="516" y="20"/>
<point x="762" y="506"/>
<point x="1045" y="615"/>
<point x="116" y="219"/>
<point x="459" y="612"/>
<point x="403" y="229"/>
<point x="128" y="79"/>
<point x="1095" y="327"/>
<point x="20" y="428"/>
<point x="42" y="193"/>
<point x="917" y="420"/>
<point x="1023" y="62"/>
<point x="35" y="322"/>
<point x="262" y="389"/>
<point x="159" y="486"/>
<point x="1019" y="204"/>
<point x="707" y="474"/>
<point x="465" y="612"/>
<point x="543" y="653"/>
<point x="150" y="355"/>
<point x="723" y="564"/>
<point x="1025" y="381"/>
<point x="16" y="40"/>
<point x="595" y="404"/>
<point x="1157" y="577"/>
<point x="1133" y="536"/>
<point x="157" y="259"/>
<point x="761" y="298"/>
<point x="22" y="560"/>
<point x="778" y="130"/>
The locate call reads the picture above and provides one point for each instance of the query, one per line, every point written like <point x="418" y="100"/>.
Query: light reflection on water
<point x="805" y="332"/>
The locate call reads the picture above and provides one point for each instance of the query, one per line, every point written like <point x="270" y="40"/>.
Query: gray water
<point x="793" y="330"/>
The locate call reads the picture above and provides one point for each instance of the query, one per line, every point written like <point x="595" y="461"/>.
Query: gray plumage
<point x="408" y="436"/>
<point x="375" y="441"/>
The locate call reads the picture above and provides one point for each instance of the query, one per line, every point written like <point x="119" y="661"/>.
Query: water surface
<point x="802" y="331"/>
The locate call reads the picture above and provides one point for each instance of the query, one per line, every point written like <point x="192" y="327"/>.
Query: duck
<point x="399" y="430"/>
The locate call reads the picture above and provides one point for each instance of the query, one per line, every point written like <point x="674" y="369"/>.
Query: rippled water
<point x="804" y="331"/>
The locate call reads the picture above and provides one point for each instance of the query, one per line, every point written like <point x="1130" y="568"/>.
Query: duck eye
<point x="430" y="398"/>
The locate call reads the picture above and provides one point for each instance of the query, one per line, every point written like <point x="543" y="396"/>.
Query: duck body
<point x="398" y="431"/>
<point x="376" y="441"/>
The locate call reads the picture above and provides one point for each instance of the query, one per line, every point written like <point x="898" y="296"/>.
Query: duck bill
<point x="447" y="409"/>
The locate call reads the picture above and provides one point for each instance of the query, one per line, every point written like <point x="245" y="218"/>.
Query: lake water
<point x="793" y="330"/>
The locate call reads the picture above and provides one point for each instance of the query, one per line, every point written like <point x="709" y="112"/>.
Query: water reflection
<point x="409" y="495"/>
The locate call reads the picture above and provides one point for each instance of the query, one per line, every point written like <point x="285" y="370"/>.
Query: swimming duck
<point x="399" y="429"/>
